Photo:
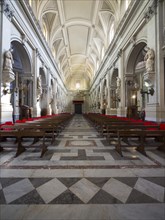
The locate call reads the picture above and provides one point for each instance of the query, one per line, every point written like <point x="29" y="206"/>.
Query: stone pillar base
<point x="108" y="111"/>
<point x="6" y="112"/>
<point x="113" y="111"/>
<point x="153" y="112"/>
<point x="122" y="111"/>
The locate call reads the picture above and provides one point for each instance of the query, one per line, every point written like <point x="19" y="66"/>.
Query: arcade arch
<point x="136" y="87"/>
<point x="22" y="86"/>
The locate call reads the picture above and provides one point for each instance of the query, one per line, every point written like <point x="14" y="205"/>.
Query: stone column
<point x="108" y="110"/>
<point x="6" y="76"/>
<point x="101" y="95"/>
<point x="121" y="111"/>
<point x="35" y="73"/>
<point x="113" y="101"/>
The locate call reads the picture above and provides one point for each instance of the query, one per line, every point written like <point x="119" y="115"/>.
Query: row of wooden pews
<point x="38" y="128"/>
<point x="123" y="128"/>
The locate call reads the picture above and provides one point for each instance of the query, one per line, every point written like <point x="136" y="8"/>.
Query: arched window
<point x="45" y="31"/>
<point x="30" y="3"/>
<point x="126" y="4"/>
<point x="102" y="52"/>
<point x="111" y="35"/>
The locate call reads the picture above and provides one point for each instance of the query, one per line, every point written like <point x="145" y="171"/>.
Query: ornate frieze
<point x="7" y="9"/>
<point x="151" y="11"/>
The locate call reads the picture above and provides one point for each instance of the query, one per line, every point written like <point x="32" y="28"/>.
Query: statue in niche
<point x="50" y="95"/>
<point x="118" y="80"/>
<point x="39" y="88"/>
<point x="149" y="60"/>
<point x="8" y="61"/>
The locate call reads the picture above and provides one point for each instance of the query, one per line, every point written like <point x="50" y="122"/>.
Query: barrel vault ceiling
<point x="78" y="33"/>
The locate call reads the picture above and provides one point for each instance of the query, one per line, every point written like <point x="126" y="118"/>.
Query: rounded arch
<point x="130" y="68"/>
<point x="22" y="86"/>
<point x="22" y="62"/>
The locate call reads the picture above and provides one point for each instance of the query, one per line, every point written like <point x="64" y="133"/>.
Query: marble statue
<point x="118" y="88"/>
<point x="118" y="82"/>
<point x="39" y="87"/>
<point x="149" y="60"/>
<point x="8" y="61"/>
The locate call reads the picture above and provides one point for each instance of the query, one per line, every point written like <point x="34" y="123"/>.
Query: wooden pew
<point x="27" y="133"/>
<point x="112" y="129"/>
<point x="106" y="126"/>
<point x="141" y="135"/>
<point x="49" y="128"/>
<point x="45" y="127"/>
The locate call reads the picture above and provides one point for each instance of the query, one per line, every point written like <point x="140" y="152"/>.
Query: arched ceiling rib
<point x="78" y="34"/>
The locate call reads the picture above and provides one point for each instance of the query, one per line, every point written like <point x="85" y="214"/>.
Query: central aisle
<point x="81" y="177"/>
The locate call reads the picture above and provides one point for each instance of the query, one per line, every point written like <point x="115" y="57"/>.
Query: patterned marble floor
<point x="82" y="177"/>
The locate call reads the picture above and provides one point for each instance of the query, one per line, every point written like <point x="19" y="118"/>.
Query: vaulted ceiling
<point x="78" y="33"/>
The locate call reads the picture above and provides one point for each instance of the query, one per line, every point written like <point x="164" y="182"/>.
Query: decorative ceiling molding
<point x="78" y="33"/>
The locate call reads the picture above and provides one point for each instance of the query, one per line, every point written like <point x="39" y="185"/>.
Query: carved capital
<point x="119" y="53"/>
<point x="24" y="39"/>
<point x="38" y="53"/>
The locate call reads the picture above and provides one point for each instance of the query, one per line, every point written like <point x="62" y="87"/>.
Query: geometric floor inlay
<point x="77" y="143"/>
<point x="81" y="190"/>
<point x="81" y="177"/>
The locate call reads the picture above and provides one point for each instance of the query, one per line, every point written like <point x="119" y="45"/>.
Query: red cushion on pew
<point x="18" y="121"/>
<point x="162" y="126"/>
<point x="8" y="123"/>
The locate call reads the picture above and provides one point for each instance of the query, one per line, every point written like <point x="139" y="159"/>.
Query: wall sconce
<point x="149" y="92"/>
<point x="133" y="97"/>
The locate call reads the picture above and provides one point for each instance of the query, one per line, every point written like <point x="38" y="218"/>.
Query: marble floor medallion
<point x="81" y="143"/>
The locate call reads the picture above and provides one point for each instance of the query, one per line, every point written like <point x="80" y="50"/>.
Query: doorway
<point x="78" y="108"/>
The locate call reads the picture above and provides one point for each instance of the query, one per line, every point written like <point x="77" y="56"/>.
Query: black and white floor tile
<point x="82" y="177"/>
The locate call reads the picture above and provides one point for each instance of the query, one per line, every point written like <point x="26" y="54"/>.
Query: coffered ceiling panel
<point x="78" y="9"/>
<point x="78" y="38"/>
